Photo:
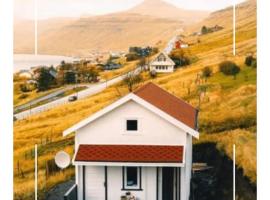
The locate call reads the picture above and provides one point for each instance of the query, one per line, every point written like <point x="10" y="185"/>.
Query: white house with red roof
<point x="139" y="147"/>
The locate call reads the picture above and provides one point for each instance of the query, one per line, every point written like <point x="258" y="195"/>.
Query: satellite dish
<point x="62" y="159"/>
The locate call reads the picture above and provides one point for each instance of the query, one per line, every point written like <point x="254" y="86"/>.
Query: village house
<point x="179" y="44"/>
<point x="162" y="63"/>
<point x="139" y="147"/>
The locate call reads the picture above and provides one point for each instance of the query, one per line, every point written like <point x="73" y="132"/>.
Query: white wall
<point x="110" y="128"/>
<point x="94" y="180"/>
<point x="169" y="70"/>
<point x="186" y="171"/>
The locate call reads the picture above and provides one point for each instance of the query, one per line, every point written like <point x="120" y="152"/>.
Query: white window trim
<point x="126" y="187"/>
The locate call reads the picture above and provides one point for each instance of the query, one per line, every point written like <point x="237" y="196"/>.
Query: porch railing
<point x="71" y="194"/>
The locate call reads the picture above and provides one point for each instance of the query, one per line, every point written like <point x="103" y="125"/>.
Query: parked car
<point x="72" y="98"/>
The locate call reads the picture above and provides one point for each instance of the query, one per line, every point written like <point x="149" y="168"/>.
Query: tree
<point x="132" y="79"/>
<point x="204" y="30"/>
<point x="229" y="68"/>
<point x="249" y="60"/>
<point x="44" y="80"/>
<point x="179" y="57"/>
<point x="207" y="72"/>
<point x="153" y="74"/>
<point x="70" y="77"/>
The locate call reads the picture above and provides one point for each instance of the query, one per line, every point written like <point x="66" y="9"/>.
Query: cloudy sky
<point x="76" y="8"/>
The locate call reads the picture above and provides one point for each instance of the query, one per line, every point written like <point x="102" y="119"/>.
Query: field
<point x="227" y="110"/>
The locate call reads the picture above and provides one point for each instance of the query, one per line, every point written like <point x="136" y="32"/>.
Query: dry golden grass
<point x="20" y="97"/>
<point x="245" y="142"/>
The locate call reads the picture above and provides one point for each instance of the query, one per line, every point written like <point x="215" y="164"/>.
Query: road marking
<point x="36" y="172"/>
<point x="234" y="28"/>
<point x="234" y="157"/>
<point x="36" y="24"/>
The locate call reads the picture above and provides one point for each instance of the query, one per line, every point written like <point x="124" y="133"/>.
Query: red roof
<point x="130" y="153"/>
<point x="168" y="103"/>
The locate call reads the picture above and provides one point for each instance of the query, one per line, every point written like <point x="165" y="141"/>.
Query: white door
<point x="94" y="183"/>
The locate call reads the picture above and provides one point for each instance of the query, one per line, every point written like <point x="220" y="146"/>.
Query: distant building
<point x="111" y="66"/>
<point x="25" y="74"/>
<point x="179" y="44"/>
<point x="162" y="63"/>
<point x="36" y="71"/>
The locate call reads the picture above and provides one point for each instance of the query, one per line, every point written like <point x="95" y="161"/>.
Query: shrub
<point x="249" y="60"/>
<point x="153" y="74"/>
<point x="131" y="80"/>
<point x="228" y="124"/>
<point x="23" y="96"/>
<point x="179" y="57"/>
<point x="207" y="72"/>
<point x="132" y="56"/>
<point x="229" y="68"/>
<point x="204" y="30"/>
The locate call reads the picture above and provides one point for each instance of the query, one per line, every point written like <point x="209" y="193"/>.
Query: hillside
<point x="162" y="9"/>
<point x="227" y="111"/>
<point x="142" y="25"/>
<point x="244" y="16"/>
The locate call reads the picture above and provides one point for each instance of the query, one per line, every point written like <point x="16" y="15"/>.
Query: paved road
<point x="170" y="45"/>
<point x="91" y="90"/>
<point x="52" y="96"/>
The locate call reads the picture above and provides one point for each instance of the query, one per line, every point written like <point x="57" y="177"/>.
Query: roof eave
<point x="130" y="164"/>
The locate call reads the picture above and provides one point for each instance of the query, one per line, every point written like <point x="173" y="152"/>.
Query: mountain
<point x="162" y="9"/>
<point x="24" y="32"/>
<point x="141" y="25"/>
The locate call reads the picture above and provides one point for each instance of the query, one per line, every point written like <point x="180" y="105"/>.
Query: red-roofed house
<point x="179" y="44"/>
<point x="140" y="145"/>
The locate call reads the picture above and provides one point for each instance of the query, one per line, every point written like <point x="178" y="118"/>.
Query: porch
<point x="135" y="183"/>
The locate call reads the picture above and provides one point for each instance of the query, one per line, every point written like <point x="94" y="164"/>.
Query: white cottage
<point x="162" y="63"/>
<point x="140" y="144"/>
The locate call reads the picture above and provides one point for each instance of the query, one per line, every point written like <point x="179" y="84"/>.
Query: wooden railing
<point x="71" y="194"/>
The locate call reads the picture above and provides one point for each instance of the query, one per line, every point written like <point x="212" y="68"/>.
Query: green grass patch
<point x="247" y="76"/>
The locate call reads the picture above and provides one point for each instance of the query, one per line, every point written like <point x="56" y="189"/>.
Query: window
<point x="132" y="125"/>
<point x="131" y="178"/>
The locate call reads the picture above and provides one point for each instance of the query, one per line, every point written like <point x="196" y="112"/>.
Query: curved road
<point x="91" y="90"/>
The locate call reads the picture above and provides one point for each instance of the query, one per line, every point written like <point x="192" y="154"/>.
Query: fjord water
<point x="26" y="61"/>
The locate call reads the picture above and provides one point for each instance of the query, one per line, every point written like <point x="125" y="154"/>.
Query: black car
<point x="72" y="98"/>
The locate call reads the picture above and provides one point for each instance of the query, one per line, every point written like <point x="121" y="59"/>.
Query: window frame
<point x="131" y="132"/>
<point x="125" y="187"/>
